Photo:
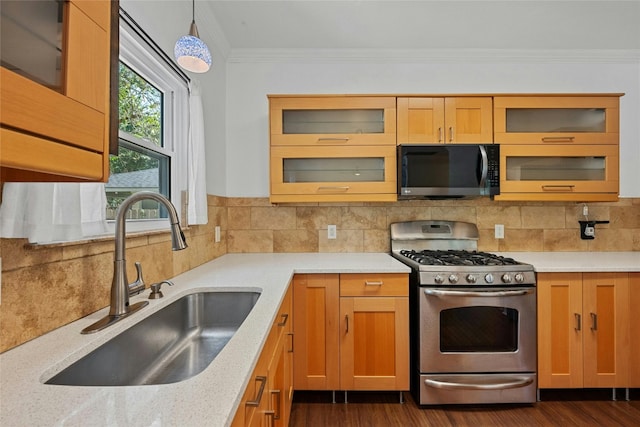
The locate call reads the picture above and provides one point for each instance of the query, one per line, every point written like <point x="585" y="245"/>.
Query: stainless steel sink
<point x="173" y="344"/>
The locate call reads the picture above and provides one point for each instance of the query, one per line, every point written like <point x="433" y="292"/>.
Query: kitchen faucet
<point x="120" y="287"/>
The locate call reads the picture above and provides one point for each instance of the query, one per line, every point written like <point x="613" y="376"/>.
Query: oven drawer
<point x="377" y="285"/>
<point x="477" y="388"/>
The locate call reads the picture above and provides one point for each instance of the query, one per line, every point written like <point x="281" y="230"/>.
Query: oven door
<point x="477" y="330"/>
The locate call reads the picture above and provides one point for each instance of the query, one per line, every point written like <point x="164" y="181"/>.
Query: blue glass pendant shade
<point x="192" y="53"/>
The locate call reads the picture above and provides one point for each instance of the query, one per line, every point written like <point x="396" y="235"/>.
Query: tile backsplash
<point x="45" y="287"/>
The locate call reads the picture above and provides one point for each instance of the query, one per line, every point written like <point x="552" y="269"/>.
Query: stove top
<point x="445" y="253"/>
<point x="457" y="258"/>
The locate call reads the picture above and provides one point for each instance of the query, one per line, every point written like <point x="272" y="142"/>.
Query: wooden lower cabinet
<point x="634" y="352"/>
<point x="583" y="330"/>
<point x="268" y="397"/>
<point x="351" y="332"/>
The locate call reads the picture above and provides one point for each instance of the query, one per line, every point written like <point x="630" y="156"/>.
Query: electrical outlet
<point x="585" y="210"/>
<point x="331" y="232"/>
<point x="499" y="231"/>
<point x="217" y="234"/>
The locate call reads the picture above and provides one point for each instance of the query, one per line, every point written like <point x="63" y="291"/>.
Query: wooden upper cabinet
<point x="332" y="120"/>
<point x="448" y="120"/>
<point x="56" y="111"/>
<point x="553" y="120"/>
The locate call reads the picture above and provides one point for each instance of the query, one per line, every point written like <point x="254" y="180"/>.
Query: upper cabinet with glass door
<point x="556" y="119"/>
<point x="55" y="89"/>
<point x="332" y="120"/>
<point x="448" y="120"/>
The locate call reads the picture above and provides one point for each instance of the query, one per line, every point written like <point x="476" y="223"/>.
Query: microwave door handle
<point x="485" y="165"/>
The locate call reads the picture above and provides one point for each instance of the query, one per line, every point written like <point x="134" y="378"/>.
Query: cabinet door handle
<point x="272" y="415"/>
<point x="557" y="139"/>
<point x="578" y="321"/>
<point x="346" y="320"/>
<point x="450" y="133"/>
<point x="278" y="393"/>
<point x="291" y="335"/>
<point x="439" y="134"/>
<point x="335" y="189"/>
<point x="256" y="401"/>
<point x="594" y="322"/>
<point x="558" y="187"/>
<point x="372" y="283"/>
<point x="332" y="140"/>
<point x="285" y="317"/>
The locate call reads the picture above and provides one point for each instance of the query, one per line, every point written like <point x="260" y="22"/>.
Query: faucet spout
<point x="120" y="307"/>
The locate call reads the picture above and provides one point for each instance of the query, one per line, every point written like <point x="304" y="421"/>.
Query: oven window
<point x="479" y="329"/>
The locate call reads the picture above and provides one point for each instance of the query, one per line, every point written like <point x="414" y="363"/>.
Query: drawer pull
<point x="291" y="335"/>
<point x="346" y="320"/>
<point x="594" y="322"/>
<point x="330" y="140"/>
<point x="558" y="187"/>
<point x="336" y="189"/>
<point x="557" y="139"/>
<point x="285" y="317"/>
<point x="256" y="401"/>
<point x="371" y="283"/>
<point x="578" y="321"/>
<point x="278" y="394"/>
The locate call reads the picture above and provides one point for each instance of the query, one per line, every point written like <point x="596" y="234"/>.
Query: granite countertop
<point x="209" y="398"/>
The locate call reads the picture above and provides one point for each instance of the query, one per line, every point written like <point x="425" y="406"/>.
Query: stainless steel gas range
<point x="473" y="317"/>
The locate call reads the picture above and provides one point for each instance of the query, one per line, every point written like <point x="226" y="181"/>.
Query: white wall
<point x="165" y="22"/>
<point x="250" y="80"/>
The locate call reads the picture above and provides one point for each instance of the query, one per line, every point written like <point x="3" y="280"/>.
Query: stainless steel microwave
<point x="448" y="170"/>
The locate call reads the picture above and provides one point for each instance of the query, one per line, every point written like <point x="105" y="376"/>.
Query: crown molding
<point x="616" y="56"/>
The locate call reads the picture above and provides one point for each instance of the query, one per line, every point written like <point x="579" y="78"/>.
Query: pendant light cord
<point x="193" y="10"/>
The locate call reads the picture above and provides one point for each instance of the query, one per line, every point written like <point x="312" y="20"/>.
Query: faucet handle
<point x="155" y="289"/>
<point x="138" y="286"/>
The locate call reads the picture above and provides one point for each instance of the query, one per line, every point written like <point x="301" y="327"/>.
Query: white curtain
<point x="197" y="208"/>
<point x="53" y="212"/>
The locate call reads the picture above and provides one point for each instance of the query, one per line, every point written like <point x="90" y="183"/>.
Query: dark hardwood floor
<point x="556" y="408"/>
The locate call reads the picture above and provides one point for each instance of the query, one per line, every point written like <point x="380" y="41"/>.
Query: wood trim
<point x="634" y="326"/>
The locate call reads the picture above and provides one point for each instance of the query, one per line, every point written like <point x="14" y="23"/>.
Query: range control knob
<point x="453" y="278"/>
<point x="519" y="278"/>
<point x="506" y="278"/>
<point x="489" y="278"/>
<point x="438" y="279"/>
<point x="471" y="278"/>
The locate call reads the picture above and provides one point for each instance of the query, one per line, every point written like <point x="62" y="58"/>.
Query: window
<point x="153" y="126"/>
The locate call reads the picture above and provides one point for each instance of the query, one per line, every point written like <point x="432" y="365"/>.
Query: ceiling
<point x="426" y="24"/>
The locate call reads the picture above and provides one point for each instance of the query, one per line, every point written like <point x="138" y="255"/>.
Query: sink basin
<point x="173" y="344"/>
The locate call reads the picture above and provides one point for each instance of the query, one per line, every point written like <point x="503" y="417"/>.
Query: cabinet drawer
<point x="368" y="284"/>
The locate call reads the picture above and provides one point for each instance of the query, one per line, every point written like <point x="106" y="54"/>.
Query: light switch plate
<point x="331" y="232"/>
<point x="217" y="234"/>
<point x="499" y="231"/>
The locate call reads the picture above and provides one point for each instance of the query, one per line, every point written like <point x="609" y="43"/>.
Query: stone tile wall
<point x="257" y="226"/>
<point x="45" y="287"/>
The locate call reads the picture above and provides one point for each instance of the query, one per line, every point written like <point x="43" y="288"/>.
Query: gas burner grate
<point x="457" y="257"/>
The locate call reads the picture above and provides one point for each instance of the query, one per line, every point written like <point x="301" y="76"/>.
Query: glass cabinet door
<point x="559" y="173"/>
<point x="31" y="40"/>
<point x="333" y="174"/>
<point x="556" y="120"/>
<point x="332" y="120"/>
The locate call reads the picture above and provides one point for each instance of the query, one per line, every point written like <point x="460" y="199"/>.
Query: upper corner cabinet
<point x="557" y="119"/>
<point x="445" y="120"/>
<point x="332" y="120"/>
<point x="55" y="89"/>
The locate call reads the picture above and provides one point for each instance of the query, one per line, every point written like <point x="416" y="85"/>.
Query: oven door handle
<point x="489" y="294"/>
<point x="515" y="383"/>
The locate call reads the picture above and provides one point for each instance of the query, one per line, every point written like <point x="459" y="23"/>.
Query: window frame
<point x="136" y="54"/>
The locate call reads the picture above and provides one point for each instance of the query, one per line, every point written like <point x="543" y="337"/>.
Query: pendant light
<point x="192" y="53"/>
